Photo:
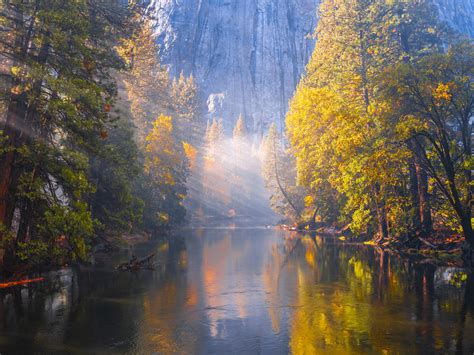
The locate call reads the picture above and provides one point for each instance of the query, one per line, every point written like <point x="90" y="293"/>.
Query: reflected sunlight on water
<point x="246" y="290"/>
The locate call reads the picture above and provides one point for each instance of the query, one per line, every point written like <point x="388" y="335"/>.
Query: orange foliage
<point x="191" y="153"/>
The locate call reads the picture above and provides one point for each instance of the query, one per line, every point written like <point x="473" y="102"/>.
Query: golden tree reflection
<point x="347" y="299"/>
<point x="270" y="281"/>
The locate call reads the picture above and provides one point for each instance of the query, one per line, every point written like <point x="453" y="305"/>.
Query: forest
<point x="89" y="146"/>
<point x="236" y="176"/>
<point x="98" y="140"/>
<point x="380" y="127"/>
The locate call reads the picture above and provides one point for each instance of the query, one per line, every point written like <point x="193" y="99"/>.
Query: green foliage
<point x="74" y="223"/>
<point x="63" y="234"/>
<point x="57" y="114"/>
<point x="351" y="130"/>
<point x="35" y="252"/>
<point x="432" y="99"/>
<point x="85" y="86"/>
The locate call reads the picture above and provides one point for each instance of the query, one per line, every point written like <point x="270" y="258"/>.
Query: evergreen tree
<point x="146" y="82"/>
<point x="183" y="92"/>
<point x="215" y="170"/>
<point x="214" y="139"/>
<point x="60" y="56"/>
<point x="240" y="130"/>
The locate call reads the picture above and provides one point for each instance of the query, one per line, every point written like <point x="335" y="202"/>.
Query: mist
<point x="225" y="184"/>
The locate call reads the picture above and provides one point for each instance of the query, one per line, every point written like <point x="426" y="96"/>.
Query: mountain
<point x="248" y="55"/>
<point x="459" y="14"/>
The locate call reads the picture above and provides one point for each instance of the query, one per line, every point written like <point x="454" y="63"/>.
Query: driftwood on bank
<point x="136" y="264"/>
<point x="20" y="282"/>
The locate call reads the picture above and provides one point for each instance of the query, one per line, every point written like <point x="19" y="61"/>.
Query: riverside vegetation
<point x="97" y="141"/>
<point x="380" y="127"/>
<point x="89" y="137"/>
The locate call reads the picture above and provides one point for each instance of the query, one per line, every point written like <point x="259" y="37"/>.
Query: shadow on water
<point x="221" y="290"/>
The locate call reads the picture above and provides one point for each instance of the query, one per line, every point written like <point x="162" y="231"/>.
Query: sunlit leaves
<point x="348" y="142"/>
<point x="435" y="107"/>
<point x="441" y="93"/>
<point x="162" y="155"/>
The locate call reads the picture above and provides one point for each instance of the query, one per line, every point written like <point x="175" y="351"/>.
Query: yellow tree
<point x="146" y="83"/>
<point x="343" y="120"/>
<point x="166" y="166"/>
<point x="184" y="108"/>
<point x="434" y="106"/>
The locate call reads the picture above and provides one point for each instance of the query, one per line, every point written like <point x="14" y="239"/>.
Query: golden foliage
<point x="162" y="155"/>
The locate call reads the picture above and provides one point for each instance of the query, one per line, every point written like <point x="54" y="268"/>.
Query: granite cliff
<point x="248" y="55"/>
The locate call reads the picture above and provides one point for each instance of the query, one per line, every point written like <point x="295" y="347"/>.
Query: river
<point x="245" y="290"/>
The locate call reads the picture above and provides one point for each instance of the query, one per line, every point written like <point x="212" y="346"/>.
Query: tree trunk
<point x="20" y="120"/>
<point x="414" y="197"/>
<point x="280" y="186"/>
<point x="424" y="203"/>
<point x="312" y="223"/>
<point x="382" y="225"/>
<point x="24" y="228"/>
<point x="16" y="112"/>
<point x="468" y="248"/>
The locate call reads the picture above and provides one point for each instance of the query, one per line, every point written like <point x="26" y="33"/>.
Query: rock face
<point x="459" y="14"/>
<point x="248" y="55"/>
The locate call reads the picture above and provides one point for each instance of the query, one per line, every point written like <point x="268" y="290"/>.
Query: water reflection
<point x="246" y="290"/>
<point x="354" y="299"/>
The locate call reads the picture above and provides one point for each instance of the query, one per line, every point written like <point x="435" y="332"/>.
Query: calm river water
<point x="252" y="290"/>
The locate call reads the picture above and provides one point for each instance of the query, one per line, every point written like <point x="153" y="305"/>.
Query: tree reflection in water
<point x="356" y="299"/>
<point x="246" y="290"/>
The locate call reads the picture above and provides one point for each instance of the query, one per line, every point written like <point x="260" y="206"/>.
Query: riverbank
<point x="102" y="251"/>
<point x="437" y="248"/>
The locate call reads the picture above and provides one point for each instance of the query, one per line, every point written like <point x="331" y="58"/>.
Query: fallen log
<point x="20" y="282"/>
<point x="135" y="264"/>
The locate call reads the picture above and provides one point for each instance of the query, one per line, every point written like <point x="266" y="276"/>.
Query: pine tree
<point x="184" y="107"/>
<point x="61" y="57"/>
<point x="240" y="167"/>
<point x="146" y="82"/>
<point x="214" y="139"/>
<point x="240" y="130"/>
